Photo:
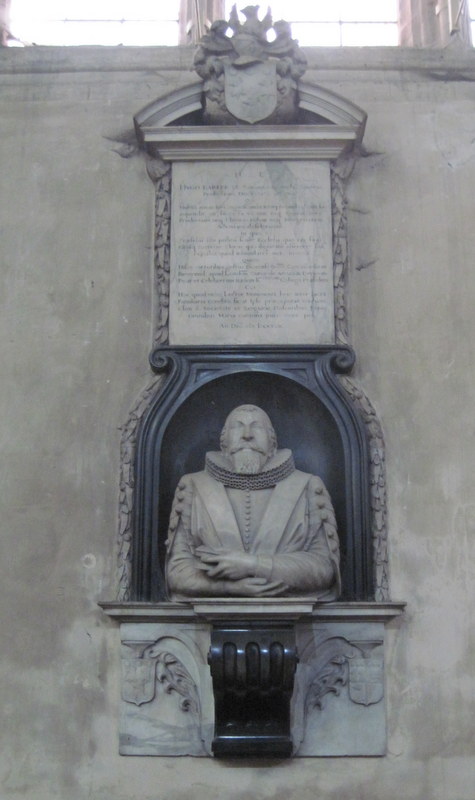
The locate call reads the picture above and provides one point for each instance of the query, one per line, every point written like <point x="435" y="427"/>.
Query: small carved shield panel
<point x="251" y="93"/>
<point x="366" y="684"/>
<point x="138" y="680"/>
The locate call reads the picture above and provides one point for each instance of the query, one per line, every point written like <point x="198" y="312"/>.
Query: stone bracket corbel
<point x="252" y="669"/>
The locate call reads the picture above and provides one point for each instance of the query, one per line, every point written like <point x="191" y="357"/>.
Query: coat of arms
<point x="366" y="680"/>
<point x="251" y="93"/>
<point x="138" y="680"/>
<point x="245" y="74"/>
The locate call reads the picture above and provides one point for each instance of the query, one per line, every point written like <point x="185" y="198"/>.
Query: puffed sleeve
<point x="308" y="560"/>
<point x="184" y="576"/>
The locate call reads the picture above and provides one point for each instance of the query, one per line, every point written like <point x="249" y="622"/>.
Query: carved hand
<point x="232" y="565"/>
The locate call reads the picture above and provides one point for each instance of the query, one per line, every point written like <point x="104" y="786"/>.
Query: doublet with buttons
<point x="249" y="507"/>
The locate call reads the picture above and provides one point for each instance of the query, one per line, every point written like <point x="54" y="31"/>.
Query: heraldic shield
<point x="366" y="684"/>
<point x="138" y="680"/>
<point x="251" y="92"/>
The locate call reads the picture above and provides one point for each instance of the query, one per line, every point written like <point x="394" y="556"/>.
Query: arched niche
<point x="312" y="415"/>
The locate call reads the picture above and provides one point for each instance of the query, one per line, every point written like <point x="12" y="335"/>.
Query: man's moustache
<point x="248" y="447"/>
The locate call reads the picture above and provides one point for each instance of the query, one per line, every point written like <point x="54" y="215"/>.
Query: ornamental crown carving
<point x="247" y="72"/>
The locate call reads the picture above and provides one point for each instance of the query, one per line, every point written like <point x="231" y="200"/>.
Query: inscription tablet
<point x="251" y="253"/>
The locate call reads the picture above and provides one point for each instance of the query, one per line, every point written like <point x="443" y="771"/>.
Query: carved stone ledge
<point x="211" y="609"/>
<point x="359" y="611"/>
<point x="268" y="609"/>
<point x="214" y="143"/>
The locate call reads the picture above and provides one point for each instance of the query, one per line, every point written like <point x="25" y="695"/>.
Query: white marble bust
<point x="250" y="524"/>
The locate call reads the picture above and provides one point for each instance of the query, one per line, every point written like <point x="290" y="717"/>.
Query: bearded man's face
<point x="248" y="440"/>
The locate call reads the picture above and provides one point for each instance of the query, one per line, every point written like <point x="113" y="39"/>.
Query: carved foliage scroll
<point x="126" y="488"/>
<point x="377" y="488"/>
<point x="161" y="710"/>
<point x="160" y="173"/>
<point x="341" y="171"/>
<point x="338" y="663"/>
<point x="340" y="681"/>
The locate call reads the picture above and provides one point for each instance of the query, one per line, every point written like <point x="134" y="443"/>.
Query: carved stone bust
<point x="250" y="524"/>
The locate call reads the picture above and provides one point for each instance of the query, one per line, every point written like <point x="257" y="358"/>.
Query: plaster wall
<point x="76" y="233"/>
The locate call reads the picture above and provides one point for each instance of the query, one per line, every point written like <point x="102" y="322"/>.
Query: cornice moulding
<point x="238" y="143"/>
<point x="236" y="609"/>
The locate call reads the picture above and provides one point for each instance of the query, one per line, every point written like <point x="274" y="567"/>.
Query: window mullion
<point x="196" y="16"/>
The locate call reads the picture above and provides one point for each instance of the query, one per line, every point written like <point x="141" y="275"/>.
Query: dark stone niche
<point x="300" y="390"/>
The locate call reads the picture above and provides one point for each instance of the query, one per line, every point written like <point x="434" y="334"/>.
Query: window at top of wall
<point x="90" y="22"/>
<point x="339" y="22"/>
<point x="471" y="12"/>
<point x="330" y="23"/>
<point x="150" y="22"/>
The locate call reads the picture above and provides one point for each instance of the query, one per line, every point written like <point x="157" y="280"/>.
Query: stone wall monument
<point x="254" y="648"/>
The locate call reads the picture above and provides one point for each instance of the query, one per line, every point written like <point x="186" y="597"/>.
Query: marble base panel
<point x="337" y="708"/>
<point x="338" y="701"/>
<point x="167" y="705"/>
